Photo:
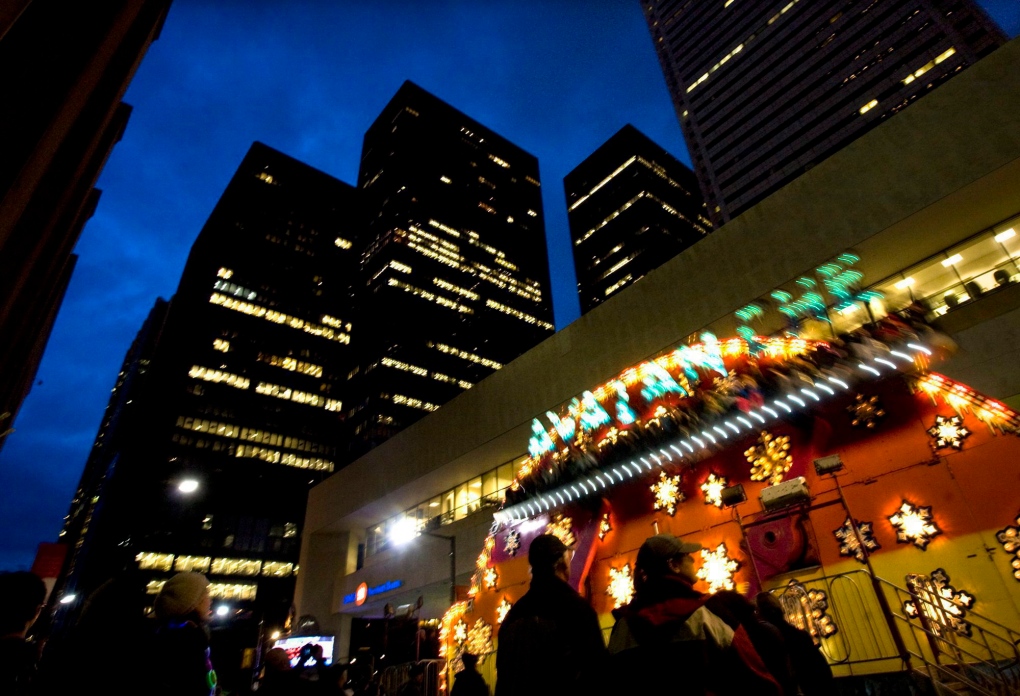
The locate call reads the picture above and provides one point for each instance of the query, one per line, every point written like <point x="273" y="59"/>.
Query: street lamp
<point x="188" y="485"/>
<point x="406" y="529"/>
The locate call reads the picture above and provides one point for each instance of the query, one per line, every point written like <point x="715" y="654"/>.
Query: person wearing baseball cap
<point x="667" y="639"/>
<point x="550" y="642"/>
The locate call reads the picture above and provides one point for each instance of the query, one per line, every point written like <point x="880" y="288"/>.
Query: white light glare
<point x="402" y="531"/>
<point x="870" y="369"/>
<point x="68" y="598"/>
<point x="188" y="486"/>
<point x="890" y="363"/>
<point x="222" y="610"/>
<point x="952" y="261"/>
<point x="920" y="348"/>
<point x="1004" y="235"/>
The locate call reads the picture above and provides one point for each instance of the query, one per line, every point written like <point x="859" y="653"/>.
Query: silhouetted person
<point x="810" y="668"/>
<point x="550" y="642"/>
<point x="21" y="600"/>
<point x="415" y="685"/>
<point x="739" y="614"/>
<point x="181" y="644"/>
<point x="468" y="682"/>
<point x="278" y="677"/>
<point x="668" y="641"/>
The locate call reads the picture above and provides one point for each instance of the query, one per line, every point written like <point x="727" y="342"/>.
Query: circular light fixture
<point x="189" y="485"/>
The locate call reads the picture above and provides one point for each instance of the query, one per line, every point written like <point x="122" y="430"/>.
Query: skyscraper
<point x="766" y="90"/>
<point x="454" y="270"/>
<point x="631" y="207"/>
<point x="244" y="398"/>
<point x="63" y="70"/>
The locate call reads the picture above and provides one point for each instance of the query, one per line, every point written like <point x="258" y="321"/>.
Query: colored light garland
<point x="717" y="569"/>
<point x="914" y="525"/>
<point x="856" y="544"/>
<point x="621" y="586"/>
<point x="604" y="526"/>
<point x="963" y="399"/>
<point x="712" y="489"/>
<point x="667" y="493"/>
<point x="948" y="432"/>
<point x="770" y="459"/>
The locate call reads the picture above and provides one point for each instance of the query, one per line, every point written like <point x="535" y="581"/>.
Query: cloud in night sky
<point x="555" y="77"/>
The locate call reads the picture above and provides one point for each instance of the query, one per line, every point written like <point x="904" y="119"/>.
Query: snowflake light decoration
<point x="513" y="542"/>
<point x="502" y="609"/>
<point x="562" y="528"/>
<point x="856" y="545"/>
<point x="942" y="604"/>
<point x="479" y="639"/>
<point x="713" y="488"/>
<point x="865" y="412"/>
<point x="770" y="459"/>
<point x="621" y="586"/>
<point x="808" y="610"/>
<point x="667" y="493"/>
<point x="604" y="526"/>
<point x="717" y="569"/>
<point x="1010" y="540"/>
<point x="948" y="432"/>
<point x="914" y="525"/>
<point x="460" y="632"/>
<point x="491" y="577"/>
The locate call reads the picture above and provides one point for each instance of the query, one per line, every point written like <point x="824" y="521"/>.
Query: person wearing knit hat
<point x="184" y="665"/>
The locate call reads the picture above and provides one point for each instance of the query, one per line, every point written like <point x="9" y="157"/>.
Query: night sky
<point x="555" y="77"/>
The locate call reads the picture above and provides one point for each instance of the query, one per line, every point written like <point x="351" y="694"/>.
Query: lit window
<point x="869" y="106"/>
<point x="220" y="590"/>
<point x="155" y="561"/>
<point x="210" y="375"/>
<point x="445" y="179"/>
<point x="277" y="569"/>
<point x="501" y="162"/>
<point x="221" y="345"/>
<point x="225" y="273"/>
<point x="342" y="243"/>
<point x="236" y="566"/>
<point x="278" y="318"/>
<point x="197" y="564"/>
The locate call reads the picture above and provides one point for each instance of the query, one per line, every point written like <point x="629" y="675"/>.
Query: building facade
<point x="765" y="91"/>
<point x="244" y="399"/>
<point x="631" y="207"/>
<point x="64" y="70"/>
<point x="902" y="202"/>
<point x="454" y="270"/>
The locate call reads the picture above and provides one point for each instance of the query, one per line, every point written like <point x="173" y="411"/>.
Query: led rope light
<point x="521" y="511"/>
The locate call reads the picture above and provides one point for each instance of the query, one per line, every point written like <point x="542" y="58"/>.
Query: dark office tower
<point x="244" y="394"/>
<point x="454" y="274"/>
<point x="631" y="206"/>
<point x="765" y="90"/>
<point x="64" y="67"/>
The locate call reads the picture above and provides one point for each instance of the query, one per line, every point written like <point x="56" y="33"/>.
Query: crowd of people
<point x="670" y="638"/>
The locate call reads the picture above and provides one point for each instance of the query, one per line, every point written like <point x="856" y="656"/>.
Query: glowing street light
<point x="68" y="598"/>
<point x="188" y="485"/>
<point x="406" y="529"/>
<point x="222" y="610"/>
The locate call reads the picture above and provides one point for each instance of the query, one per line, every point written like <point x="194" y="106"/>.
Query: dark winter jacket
<point x="549" y="643"/>
<point x="668" y="641"/>
<point x="468" y="682"/>
<point x="810" y="667"/>
<point x="183" y="664"/>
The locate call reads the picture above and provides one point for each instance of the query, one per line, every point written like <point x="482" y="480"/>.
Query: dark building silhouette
<point x="766" y="90"/>
<point x="244" y="397"/>
<point x="454" y="271"/>
<point x="63" y="70"/>
<point x="631" y="207"/>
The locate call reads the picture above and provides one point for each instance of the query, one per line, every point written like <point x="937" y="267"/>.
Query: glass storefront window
<point x="460" y="506"/>
<point x="490" y="487"/>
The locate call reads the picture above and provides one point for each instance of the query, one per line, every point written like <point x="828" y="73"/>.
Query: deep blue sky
<point x="556" y="77"/>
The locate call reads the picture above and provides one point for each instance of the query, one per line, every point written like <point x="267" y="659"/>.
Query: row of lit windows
<point x="217" y="590"/>
<point x="657" y="169"/>
<point x="644" y="194"/>
<point x="422" y="372"/>
<point x="210" y="375"/>
<point x="619" y="284"/>
<point x="221" y="345"/>
<point x="737" y="49"/>
<point x="279" y="318"/>
<point x="281" y="392"/>
<point x="249" y="434"/>
<point x="518" y="314"/>
<point x="218" y="566"/>
<point x="286" y="458"/>
<point x="449" y="506"/>
<point x="235" y="290"/>
<point x="343" y="243"/>
<point x="929" y="65"/>
<point x="465" y="355"/>
<point x="335" y="323"/>
<point x="430" y="296"/>
<point x="292" y="364"/>
<point x="439" y="282"/>
<point x="501" y="162"/>
<point x="411" y="401"/>
<point x="475" y="240"/>
<point x="618" y="265"/>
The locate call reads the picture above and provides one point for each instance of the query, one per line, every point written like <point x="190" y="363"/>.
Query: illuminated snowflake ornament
<point x="808" y="610"/>
<point x="562" y="528"/>
<point x="1010" y="540"/>
<point x="513" y="542"/>
<point x="717" y="569"/>
<point x="604" y="526"/>
<point x="490" y="578"/>
<point x="856" y="545"/>
<point x="712" y="488"/>
<point x="667" y="493"/>
<point x="460" y="632"/>
<point x="914" y="525"/>
<point x="770" y="459"/>
<point x="479" y="639"/>
<point x="865" y="412"/>
<point x="502" y="609"/>
<point x="948" y="432"/>
<point x="939" y="602"/>
<point x="621" y="586"/>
